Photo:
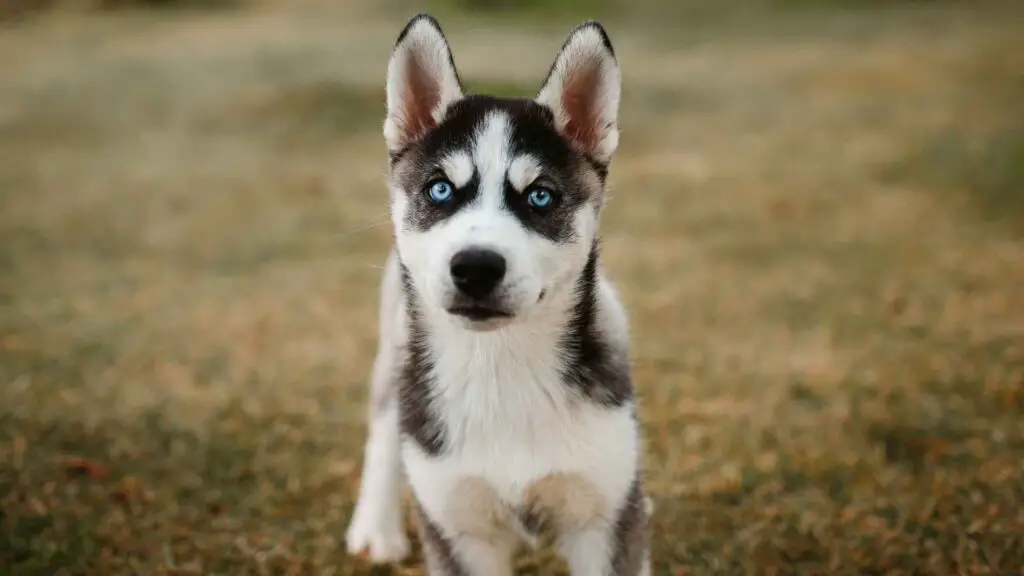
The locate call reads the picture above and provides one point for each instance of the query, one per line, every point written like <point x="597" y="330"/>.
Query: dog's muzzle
<point x="476" y="273"/>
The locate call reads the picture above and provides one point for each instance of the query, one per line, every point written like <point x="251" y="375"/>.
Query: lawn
<point x="816" y="221"/>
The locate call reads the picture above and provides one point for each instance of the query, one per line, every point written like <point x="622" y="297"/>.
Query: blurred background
<point x="816" y="221"/>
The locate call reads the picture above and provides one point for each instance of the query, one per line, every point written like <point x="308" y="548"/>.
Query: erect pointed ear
<point x="422" y="82"/>
<point x="583" y="89"/>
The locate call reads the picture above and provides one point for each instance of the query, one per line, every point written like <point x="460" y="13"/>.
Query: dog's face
<point x="495" y="202"/>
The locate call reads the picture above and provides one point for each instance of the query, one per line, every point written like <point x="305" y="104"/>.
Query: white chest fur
<point x="518" y="438"/>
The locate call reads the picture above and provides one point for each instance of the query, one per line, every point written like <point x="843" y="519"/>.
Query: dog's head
<point x="495" y="201"/>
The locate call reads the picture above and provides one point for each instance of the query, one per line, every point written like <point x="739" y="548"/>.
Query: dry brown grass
<point x="816" y="225"/>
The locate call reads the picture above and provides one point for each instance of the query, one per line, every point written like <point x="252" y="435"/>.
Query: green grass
<point x="814" y="221"/>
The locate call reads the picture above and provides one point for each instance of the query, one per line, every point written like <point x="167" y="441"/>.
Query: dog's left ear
<point x="422" y="82"/>
<point x="582" y="90"/>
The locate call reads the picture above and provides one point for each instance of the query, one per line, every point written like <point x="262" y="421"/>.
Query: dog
<point x="501" y="391"/>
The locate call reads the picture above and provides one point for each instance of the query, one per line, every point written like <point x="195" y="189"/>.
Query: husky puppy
<point x="501" y="389"/>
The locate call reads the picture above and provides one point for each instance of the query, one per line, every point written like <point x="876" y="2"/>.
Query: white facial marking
<point x="458" y="167"/>
<point x="523" y="171"/>
<point x="490" y="153"/>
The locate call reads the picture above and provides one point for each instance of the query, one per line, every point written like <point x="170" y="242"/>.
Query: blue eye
<point x="440" y="191"/>
<point x="540" y="198"/>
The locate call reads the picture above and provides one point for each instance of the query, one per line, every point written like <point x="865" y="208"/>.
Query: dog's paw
<point x="385" y="541"/>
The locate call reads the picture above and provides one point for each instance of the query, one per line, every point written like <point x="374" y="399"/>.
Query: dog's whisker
<point x="354" y="231"/>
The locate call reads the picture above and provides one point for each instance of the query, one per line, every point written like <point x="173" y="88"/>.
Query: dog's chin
<point x="481" y="318"/>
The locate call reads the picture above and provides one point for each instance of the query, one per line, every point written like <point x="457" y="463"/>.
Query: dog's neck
<point x="464" y="386"/>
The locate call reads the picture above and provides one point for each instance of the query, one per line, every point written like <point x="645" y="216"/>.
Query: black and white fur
<point x="502" y="382"/>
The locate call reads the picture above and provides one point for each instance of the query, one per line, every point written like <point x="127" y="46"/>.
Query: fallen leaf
<point x="83" y="467"/>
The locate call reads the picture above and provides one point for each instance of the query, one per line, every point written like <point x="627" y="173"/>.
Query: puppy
<point x="501" y="389"/>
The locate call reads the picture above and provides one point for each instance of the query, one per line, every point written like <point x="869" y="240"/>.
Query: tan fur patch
<point x="475" y="509"/>
<point x="565" y="501"/>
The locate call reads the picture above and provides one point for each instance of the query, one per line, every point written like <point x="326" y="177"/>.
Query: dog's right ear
<point x="422" y="82"/>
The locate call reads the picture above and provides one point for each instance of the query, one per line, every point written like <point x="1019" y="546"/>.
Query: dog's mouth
<point x="479" y="313"/>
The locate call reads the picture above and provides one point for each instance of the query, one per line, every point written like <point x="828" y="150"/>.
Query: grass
<point x="990" y="168"/>
<point x="814" y="222"/>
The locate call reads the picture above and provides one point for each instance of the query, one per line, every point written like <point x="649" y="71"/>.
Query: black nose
<point x="477" y="272"/>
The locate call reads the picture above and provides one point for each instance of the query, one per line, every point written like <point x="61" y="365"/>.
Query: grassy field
<point x="817" y="222"/>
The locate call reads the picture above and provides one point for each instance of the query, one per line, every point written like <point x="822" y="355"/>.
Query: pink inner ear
<point x="580" y="101"/>
<point x="421" y="97"/>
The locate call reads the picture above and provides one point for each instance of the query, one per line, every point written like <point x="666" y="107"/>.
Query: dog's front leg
<point x="620" y="548"/>
<point x="596" y="551"/>
<point x="377" y="521"/>
<point x="465" y="555"/>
